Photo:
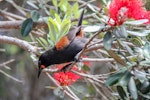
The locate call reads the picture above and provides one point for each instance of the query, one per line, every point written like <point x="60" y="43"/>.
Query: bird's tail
<point x="80" y="19"/>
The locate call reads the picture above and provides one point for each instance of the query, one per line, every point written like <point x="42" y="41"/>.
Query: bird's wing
<point x="67" y="39"/>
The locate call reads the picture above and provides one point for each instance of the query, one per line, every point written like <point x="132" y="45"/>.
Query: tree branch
<point x="16" y="24"/>
<point x="21" y="43"/>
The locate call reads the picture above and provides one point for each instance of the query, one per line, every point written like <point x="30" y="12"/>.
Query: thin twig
<point x="77" y="98"/>
<point x="88" y="76"/>
<point x="17" y="23"/>
<point x="5" y="13"/>
<point x="105" y="59"/>
<point x="7" y="62"/>
<point x="11" y="77"/>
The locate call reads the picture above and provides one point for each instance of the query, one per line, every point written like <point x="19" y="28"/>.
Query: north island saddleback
<point x="65" y="49"/>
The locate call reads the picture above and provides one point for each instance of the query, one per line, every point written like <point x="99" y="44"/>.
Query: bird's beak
<point x="40" y="69"/>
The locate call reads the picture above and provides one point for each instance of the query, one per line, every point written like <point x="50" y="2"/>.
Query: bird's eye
<point x="42" y="66"/>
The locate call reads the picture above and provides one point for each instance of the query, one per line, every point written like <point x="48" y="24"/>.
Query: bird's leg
<point x="69" y="66"/>
<point x="76" y="58"/>
<point x="66" y="67"/>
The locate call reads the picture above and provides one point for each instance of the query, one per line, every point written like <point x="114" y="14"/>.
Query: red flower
<point x="121" y="10"/>
<point x="66" y="78"/>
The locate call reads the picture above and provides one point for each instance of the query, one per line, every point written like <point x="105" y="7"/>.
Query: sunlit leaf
<point x="26" y="27"/>
<point x="75" y="8"/>
<point x="65" y="26"/>
<point x="107" y="41"/>
<point x="132" y="89"/>
<point x="43" y="41"/>
<point x="68" y="10"/>
<point x="63" y="5"/>
<point x="53" y="30"/>
<point x="55" y="3"/>
<point x="57" y="18"/>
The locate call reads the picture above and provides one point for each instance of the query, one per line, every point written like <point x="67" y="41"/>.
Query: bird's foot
<point x="77" y="59"/>
<point x="66" y="67"/>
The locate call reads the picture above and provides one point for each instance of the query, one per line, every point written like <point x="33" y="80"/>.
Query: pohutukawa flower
<point x="66" y="78"/>
<point x="121" y="10"/>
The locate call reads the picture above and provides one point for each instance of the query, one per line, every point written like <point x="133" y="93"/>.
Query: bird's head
<point x="43" y="62"/>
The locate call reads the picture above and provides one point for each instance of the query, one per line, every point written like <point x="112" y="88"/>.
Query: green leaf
<point x="62" y="2"/>
<point x="58" y="20"/>
<point x="137" y="41"/>
<point x="35" y="15"/>
<point x="65" y="26"/>
<point x="122" y="92"/>
<point x="26" y="27"/>
<point x="146" y="50"/>
<point x="132" y="89"/>
<point x="53" y="30"/>
<point x="43" y="42"/>
<point x="75" y="8"/>
<point x="107" y="41"/>
<point x="120" y="32"/>
<point x="126" y="47"/>
<point x="55" y="3"/>
<point x="116" y="57"/>
<point x="137" y="22"/>
<point x="141" y="76"/>
<point x="125" y="78"/>
<point x="140" y="33"/>
<point x="113" y="79"/>
<point x="63" y="5"/>
<point x="68" y="10"/>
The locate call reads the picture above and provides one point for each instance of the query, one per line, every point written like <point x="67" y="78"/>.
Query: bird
<point x="66" y="49"/>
